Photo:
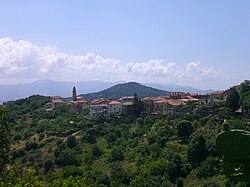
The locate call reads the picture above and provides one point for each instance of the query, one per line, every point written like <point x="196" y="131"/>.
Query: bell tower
<point x="74" y="94"/>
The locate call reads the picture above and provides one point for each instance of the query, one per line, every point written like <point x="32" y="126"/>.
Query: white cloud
<point x="26" y="62"/>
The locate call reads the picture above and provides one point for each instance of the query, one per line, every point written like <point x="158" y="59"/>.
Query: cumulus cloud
<point x="26" y="62"/>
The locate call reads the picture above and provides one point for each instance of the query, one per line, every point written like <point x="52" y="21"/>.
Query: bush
<point x="96" y="151"/>
<point x="31" y="145"/>
<point x="48" y="165"/>
<point x="116" y="154"/>
<point x="67" y="157"/>
<point x="184" y="128"/>
<point x="17" y="137"/>
<point x="71" y="141"/>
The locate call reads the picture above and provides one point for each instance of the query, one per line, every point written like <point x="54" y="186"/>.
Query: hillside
<point x="127" y="151"/>
<point x="126" y="89"/>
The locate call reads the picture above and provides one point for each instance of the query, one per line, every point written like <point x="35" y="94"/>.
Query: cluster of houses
<point x="165" y="105"/>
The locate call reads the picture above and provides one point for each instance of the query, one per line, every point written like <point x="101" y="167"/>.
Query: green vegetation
<point x="62" y="148"/>
<point x="126" y="89"/>
<point x="233" y="100"/>
<point x="234" y="146"/>
<point x="245" y="96"/>
<point x="4" y="138"/>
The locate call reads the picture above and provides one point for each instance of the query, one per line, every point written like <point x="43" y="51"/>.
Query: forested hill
<point x="127" y="89"/>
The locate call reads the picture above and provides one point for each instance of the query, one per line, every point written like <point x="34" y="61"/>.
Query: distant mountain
<point x="49" y="87"/>
<point x="174" y="87"/>
<point x="64" y="89"/>
<point x="127" y="89"/>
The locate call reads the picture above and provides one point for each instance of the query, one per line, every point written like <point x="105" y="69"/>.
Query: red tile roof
<point x="55" y="97"/>
<point x="173" y="102"/>
<point x="154" y="98"/>
<point x="114" y="103"/>
<point x="216" y="93"/>
<point x="101" y="101"/>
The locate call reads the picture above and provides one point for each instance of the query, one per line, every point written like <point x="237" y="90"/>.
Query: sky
<point x="204" y="44"/>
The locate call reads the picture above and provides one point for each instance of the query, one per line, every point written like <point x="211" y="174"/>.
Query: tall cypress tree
<point x="137" y="105"/>
<point x="233" y="100"/>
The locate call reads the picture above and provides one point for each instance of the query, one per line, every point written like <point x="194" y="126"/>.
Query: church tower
<point x="74" y="94"/>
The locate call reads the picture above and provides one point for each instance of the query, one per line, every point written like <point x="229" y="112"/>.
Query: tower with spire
<point x="74" y="94"/>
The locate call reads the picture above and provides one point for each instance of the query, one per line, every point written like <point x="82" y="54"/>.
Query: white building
<point x="114" y="107"/>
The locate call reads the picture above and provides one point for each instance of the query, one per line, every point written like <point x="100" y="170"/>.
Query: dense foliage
<point x="61" y="148"/>
<point x="4" y="138"/>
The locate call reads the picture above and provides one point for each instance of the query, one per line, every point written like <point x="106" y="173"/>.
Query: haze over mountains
<point x="64" y="89"/>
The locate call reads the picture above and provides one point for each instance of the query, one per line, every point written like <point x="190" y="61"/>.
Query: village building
<point x="105" y="107"/>
<point x="212" y="99"/>
<point x="126" y="99"/>
<point x="114" y="107"/>
<point x="77" y="102"/>
<point x="97" y="110"/>
<point x="149" y="103"/>
<point x="56" y="101"/>
<point x="127" y="104"/>
<point x="176" y="94"/>
<point x="100" y="101"/>
<point x="217" y="95"/>
<point x="168" y="106"/>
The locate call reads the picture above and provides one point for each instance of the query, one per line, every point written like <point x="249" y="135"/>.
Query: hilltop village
<point x="162" y="105"/>
<point x="169" y="141"/>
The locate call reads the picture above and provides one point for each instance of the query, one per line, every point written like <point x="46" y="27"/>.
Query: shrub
<point x="31" y="145"/>
<point x="71" y="141"/>
<point x="48" y="165"/>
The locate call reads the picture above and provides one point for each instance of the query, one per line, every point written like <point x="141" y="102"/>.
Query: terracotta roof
<point x="114" y="103"/>
<point x="173" y="102"/>
<point x="190" y="98"/>
<point x="216" y="93"/>
<point x="176" y="102"/>
<point x="101" y="101"/>
<point x="162" y="101"/>
<point x="154" y="98"/>
<point x="55" y="97"/>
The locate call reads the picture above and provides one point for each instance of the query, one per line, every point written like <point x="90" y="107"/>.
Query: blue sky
<point x="205" y="44"/>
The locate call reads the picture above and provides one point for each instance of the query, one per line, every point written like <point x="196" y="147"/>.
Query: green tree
<point x="4" y="138"/>
<point x="116" y="154"/>
<point x="137" y="106"/>
<point x="71" y="141"/>
<point x="90" y="135"/>
<point x="31" y="145"/>
<point x="197" y="151"/>
<point x="245" y="95"/>
<point x="48" y="165"/>
<point x="96" y="151"/>
<point x="67" y="157"/>
<point x="184" y="129"/>
<point x="233" y="100"/>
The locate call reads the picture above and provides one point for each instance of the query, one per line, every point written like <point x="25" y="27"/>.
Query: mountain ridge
<point x="49" y="87"/>
<point x="126" y="89"/>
